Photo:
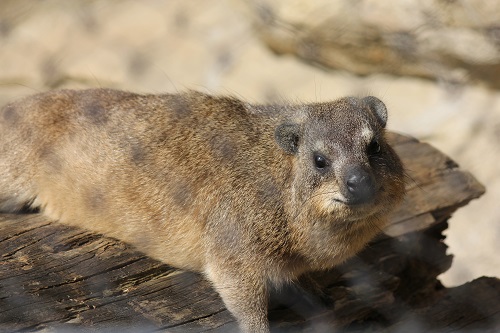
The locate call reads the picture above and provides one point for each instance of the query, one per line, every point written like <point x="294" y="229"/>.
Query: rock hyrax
<point x="252" y="196"/>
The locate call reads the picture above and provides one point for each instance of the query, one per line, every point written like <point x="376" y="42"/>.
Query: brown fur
<point x="204" y="183"/>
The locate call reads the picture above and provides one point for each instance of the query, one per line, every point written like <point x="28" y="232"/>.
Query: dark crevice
<point x="191" y="320"/>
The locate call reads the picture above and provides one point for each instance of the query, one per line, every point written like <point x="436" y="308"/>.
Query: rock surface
<point x="164" y="46"/>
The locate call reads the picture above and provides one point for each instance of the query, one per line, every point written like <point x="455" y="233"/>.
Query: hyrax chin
<point x="252" y="196"/>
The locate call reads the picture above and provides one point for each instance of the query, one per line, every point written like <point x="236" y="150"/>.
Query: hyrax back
<point x="250" y="195"/>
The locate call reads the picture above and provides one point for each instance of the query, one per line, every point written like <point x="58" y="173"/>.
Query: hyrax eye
<point x="320" y="162"/>
<point x="374" y="147"/>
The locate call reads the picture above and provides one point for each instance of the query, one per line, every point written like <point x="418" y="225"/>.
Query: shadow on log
<point x="60" y="278"/>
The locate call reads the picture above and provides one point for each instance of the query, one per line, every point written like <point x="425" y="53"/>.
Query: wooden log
<point x="62" y="278"/>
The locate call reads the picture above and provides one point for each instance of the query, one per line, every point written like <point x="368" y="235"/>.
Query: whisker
<point x="302" y="208"/>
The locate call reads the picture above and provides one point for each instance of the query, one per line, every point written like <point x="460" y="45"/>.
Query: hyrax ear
<point x="377" y="107"/>
<point x="287" y="136"/>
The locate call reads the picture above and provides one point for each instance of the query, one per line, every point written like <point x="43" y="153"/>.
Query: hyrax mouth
<point x="356" y="204"/>
<point x="340" y="209"/>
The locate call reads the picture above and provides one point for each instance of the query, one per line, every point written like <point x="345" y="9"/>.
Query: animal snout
<point x="360" y="185"/>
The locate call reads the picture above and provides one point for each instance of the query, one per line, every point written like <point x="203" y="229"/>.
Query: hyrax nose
<point x="360" y="185"/>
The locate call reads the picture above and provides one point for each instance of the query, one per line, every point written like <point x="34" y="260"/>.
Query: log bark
<point x="58" y="278"/>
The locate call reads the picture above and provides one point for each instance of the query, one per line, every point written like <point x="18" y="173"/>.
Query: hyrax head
<point x="343" y="165"/>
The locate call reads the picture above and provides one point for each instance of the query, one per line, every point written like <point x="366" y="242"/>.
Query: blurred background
<point x="435" y="63"/>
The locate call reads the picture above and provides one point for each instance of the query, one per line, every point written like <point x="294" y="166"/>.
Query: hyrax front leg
<point x="244" y="293"/>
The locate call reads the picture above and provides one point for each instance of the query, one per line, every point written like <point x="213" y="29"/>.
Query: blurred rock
<point x="450" y="40"/>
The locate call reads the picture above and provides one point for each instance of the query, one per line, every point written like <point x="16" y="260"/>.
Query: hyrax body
<point x="252" y="196"/>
